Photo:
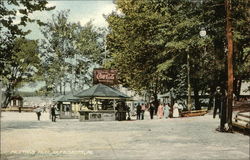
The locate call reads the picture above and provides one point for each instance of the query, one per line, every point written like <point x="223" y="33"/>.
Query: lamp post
<point x="202" y="34"/>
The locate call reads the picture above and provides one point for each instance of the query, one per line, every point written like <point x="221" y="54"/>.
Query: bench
<point x="242" y="122"/>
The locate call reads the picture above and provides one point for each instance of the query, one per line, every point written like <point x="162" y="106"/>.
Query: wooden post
<point x="229" y="35"/>
<point x="189" y="101"/>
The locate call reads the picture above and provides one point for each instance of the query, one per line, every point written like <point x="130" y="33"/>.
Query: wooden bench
<point x="242" y="122"/>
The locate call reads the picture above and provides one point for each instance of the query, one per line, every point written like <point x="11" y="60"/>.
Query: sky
<point x="80" y="11"/>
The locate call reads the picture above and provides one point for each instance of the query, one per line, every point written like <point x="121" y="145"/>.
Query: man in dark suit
<point x="138" y="111"/>
<point x="53" y="113"/>
<point x="218" y="99"/>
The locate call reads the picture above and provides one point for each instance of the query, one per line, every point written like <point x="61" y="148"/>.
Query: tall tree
<point x="149" y="42"/>
<point x="154" y="37"/>
<point x="14" y="16"/>
<point x="69" y="50"/>
<point x="23" y="66"/>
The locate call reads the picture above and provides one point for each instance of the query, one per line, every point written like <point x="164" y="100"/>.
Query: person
<point x="128" y="112"/>
<point x="217" y="101"/>
<point x="151" y="110"/>
<point x="67" y="110"/>
<point x="160" y="111"/>
<point x="44" y="109"/>
<point x="138" y="111"/>
<point x="38" y="112"/>
<point x="166" y="110"/>
<point x="53" y="113"/>
<point x="143" y="108"/>
<point x="175" y="110"/>
<point x="119" y="108"/>
<point x="20" y="109"/>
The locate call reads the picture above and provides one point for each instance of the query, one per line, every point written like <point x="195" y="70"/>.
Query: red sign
<point x="105" y="76"/>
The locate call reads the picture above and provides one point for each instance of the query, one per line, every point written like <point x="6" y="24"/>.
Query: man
<point x="151" y="110"/>
<point x="38" y="112"/>
<point x="217" y="101"/>
<point x="19" y="109"/>
<point x="53" y="113"/>
<point x="138" y="111"/>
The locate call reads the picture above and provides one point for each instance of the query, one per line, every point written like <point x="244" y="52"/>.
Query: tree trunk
<point x="60" y="87"/>
<point x="196" y="99"/>
<point x="229" y="36"/>
<point x="156" y="102"/>
<point x="64" y="87"/>
<point x="7" y="96"/>
<point x="237" y="88"/>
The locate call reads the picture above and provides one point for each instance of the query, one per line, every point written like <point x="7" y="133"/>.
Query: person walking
<point x="38" y="112"/>
<point x="166" y="110"/>
<point x="160" y="111"/>
<point x="138" y="111"/>
<point x="143" y="108"/>
<point x="53" y="113"/>
<point x="151" y="110"/>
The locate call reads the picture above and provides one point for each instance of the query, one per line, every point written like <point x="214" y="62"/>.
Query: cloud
<point x="97" y="13"/>
<point x="80" y="11"/>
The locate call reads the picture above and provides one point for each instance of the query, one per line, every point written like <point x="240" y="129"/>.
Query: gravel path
<point x="194" y="138"/>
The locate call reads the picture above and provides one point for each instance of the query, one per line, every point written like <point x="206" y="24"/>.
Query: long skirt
<point x="166" y="113"/>
<point x="176" y="113"/>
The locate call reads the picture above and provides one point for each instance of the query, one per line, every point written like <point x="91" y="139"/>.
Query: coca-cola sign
<point x="105" y="76"/>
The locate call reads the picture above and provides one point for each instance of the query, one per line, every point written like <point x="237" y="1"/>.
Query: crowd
<point x="163" y="110"/>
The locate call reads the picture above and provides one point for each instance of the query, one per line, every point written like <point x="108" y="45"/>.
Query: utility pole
<point x="230" y="77"/>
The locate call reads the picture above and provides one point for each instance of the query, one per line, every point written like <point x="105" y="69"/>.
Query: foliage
<point x="149" y="42"/>
<point x="69" y="50"/>
<point x="14" y="16"/>
<point x="23" y="66"/>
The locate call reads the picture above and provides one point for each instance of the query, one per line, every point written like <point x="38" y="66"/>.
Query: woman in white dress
<point x="175" y="110"/>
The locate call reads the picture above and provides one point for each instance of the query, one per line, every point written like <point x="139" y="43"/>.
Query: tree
<point x="150" y="40"/>
<point x="241" y="19"/>
<point x="69" y="50"/>
<point x="14" y="16"/>
<point x="135" y="42"/>
<point x="23" y="66"/>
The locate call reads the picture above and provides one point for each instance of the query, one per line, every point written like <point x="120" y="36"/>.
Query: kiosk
<point x="104" y="104"/>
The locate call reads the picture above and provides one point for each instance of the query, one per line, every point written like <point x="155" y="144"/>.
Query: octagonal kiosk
<point x="104" y="104"/>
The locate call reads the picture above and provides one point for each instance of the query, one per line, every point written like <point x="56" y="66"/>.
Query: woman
<point x="166" y="110"/>
<point x="176" y="110"/>
<point x="160" y="111"/>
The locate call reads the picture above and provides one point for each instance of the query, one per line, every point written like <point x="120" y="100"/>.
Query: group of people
<point x="38" y="110"/>
<point x="162" y="111"/>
